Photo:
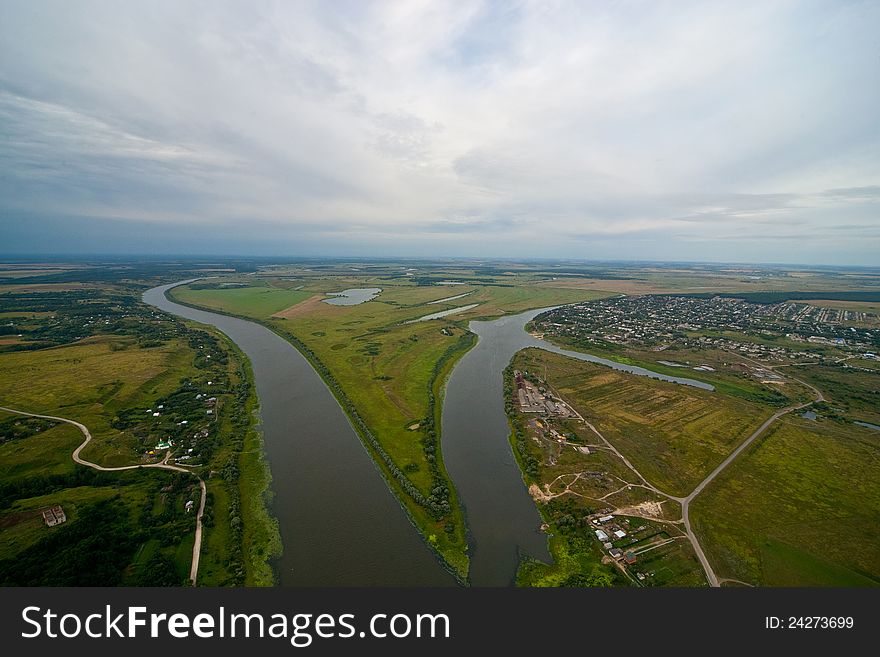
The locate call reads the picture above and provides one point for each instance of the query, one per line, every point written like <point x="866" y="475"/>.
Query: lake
<point x="443" y="313"/>
<point x="353" y="297"/>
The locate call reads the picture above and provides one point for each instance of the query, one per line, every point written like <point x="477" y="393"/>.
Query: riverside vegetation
<point x="88" y="349"/>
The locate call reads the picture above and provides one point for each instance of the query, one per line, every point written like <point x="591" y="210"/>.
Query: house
<point x="54" y="516"/>
<point x="606" y="518"/>
<point x="630" y="558"/>
<point x="614" y="552"/>
<point x="189" y="505"/>
<point x="602" y="536"/>
<point x="620" y="533"/>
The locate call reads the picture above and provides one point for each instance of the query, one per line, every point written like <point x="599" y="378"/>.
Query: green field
<point x="107" y="382"/>
<point x="565" y="498"/>
<point x="800" y="507"/>
<point x="47" y="453"/>
<point x="259" y="302"/>
<point x="674" y="434"/>
<point x="850" y="393"/>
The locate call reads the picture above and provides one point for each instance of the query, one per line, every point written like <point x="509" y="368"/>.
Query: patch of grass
<point x="258" y="302"/>
<point x="799" y="507"/>
<point x="45" y="453"/>
<point x="674" y="434"/>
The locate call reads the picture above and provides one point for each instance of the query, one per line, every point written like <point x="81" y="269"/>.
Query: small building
<point x="620" y="533"/>
<point x="189" y="505"/>
<point x="54" y="516"/>
<point x="607" y="545"/>
<point x="606" y="519"/>
<point x="614" y="552"/>
<point x="602" y="536"/>
<point x="630" y="558"/>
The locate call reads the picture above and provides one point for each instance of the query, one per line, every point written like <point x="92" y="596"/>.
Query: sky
<point x="708" y="131"/>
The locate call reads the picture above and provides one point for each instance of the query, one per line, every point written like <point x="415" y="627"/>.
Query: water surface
<point x="353" y="296"/>
<point x="457" y="296"/>
<point x="443" y="313"/>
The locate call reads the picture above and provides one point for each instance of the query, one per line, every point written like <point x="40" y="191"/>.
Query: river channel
<point x="340" y="524"/>
<point x="502" y="517"/>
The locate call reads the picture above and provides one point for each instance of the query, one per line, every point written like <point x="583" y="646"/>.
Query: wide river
<point x="340" y="524"/>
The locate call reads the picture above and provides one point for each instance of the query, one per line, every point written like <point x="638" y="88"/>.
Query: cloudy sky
<point x="726" y="131"/>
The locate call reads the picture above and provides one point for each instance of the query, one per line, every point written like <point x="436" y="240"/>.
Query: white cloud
<point x="550" y="122"/>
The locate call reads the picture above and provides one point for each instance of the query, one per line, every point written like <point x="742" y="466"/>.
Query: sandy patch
<point x="644" y="509"/>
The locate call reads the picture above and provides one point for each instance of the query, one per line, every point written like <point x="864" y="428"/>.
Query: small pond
<point x="352" y="297"/>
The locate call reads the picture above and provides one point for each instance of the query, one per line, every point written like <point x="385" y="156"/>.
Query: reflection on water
<point x="353" y="297"/>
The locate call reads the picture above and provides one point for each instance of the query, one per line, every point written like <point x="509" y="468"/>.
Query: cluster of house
<point x="609" y="532"/>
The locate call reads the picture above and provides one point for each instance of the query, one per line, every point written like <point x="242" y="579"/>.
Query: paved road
<point x="197" y="545"/>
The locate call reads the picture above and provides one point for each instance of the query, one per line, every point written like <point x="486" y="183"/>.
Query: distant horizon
<point x="67" y="257"/>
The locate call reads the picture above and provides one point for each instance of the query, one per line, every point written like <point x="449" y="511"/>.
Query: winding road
<point x="163" y="465"/>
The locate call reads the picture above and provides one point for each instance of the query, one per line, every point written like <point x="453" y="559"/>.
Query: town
<point x="663" y="322"/>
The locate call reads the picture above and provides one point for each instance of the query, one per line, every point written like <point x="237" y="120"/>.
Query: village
<point x="622" y="539"/>
<point x="664" y="322"/>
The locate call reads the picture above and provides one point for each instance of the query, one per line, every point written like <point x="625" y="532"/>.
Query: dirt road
<point x="197" y="545"/>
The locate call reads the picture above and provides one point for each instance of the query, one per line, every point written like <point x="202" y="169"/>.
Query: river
<point x="340" y="524"/>
<point x="502" y="516"/>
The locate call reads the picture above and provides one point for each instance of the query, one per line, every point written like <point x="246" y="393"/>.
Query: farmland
<point x="800" y="507"/>
<point x="249" y="301"/>
<point x="673" y="434"/>
<point x="575" y="481"/>
<point x="104" y="359"/>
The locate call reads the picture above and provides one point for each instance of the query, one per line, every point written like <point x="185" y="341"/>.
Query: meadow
<point x="579" y="484"/>
<point x="674" y="434"/>
<point x="107" y="380"/>
<point x="249" y="301"/>
<point x="800" y="507"/>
